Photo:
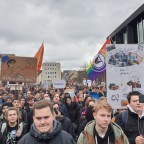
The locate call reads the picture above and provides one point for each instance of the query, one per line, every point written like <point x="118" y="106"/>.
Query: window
<point x="140" y="31"/>
<point x="125" y="37"/>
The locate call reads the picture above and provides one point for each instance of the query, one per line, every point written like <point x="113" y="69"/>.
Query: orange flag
<point x="39" y="56"/>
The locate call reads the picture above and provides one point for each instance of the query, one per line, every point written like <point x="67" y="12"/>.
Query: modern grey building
<point x="131" y="31"/>
<point x="51" y="71"/>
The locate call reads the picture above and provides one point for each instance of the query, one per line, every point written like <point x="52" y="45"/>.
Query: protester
<point x="5" y="107"/>
<point x="46" y="96"/>
<point x="45" y="129"/>
<point x="132" y="120"/>
<point x="88" y="117"/>
<point x="29" y="106"/>
<point x="102" y="130"/>
<point x="62" y="107"/>
<point x="22" y="102"/>
<point x="65" y="121"/>
<point x="12" y="130"/>
<point x="22" y="112"/>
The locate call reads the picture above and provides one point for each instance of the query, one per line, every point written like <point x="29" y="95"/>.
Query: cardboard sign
<point x="17" y="69"/>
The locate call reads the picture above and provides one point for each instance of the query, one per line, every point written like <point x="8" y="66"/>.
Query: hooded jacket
<point x="134" y="125"/>
<point x="66" y="123"/>
<point x="57" y="136"/>
<point x="87" y="136"/>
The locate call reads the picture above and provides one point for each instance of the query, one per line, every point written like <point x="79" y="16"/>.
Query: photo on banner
<point x="124" y="70"/>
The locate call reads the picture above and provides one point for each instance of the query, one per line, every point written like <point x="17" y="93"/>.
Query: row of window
<point x="50" y="73"/>
<point x="50" y="68"/>
<point x="51" y="76"/>
<point x="50" y="64"/>
<point x="131" y="33"/>
<point x="140" y="30"/>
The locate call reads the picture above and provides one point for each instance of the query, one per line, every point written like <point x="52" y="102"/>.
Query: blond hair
<point x="11" y="109"/>
<point x="102" y="104"/>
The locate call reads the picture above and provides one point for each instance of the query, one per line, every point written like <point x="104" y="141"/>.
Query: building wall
<point x="51" y="71"/>
<point x="131" y="31"/>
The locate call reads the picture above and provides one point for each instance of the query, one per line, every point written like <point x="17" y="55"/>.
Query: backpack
<point x="124" y="118"/>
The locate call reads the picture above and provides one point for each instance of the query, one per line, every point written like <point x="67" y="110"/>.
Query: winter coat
<point x="63" y="109"/>
<point x="66" y="124"/>
<point x="1" y="138"/>
<point x="87" y="136"/>
<point x="57" y="136"/>
<point x="74" y="112"/>
<point x="133" y="126"/>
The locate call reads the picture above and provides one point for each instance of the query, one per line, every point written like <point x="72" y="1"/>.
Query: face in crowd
<point x="16" y="103"/>
<point x="102" y="114"/>
<point x="68" y="101"/>
<point x="56" y="97"/>
<point x="102" y="118"/>
<point x="80" y="97"/>
<point x="12" y="116"/>
<point x="4" y="109"/>
<point x="43" y="120"/>
<point x="135" y="104"/>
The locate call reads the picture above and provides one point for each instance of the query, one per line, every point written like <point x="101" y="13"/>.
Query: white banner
<point x="59" y="84"/>
<point x="87" y="83"/>
<point x="124" y="70"/>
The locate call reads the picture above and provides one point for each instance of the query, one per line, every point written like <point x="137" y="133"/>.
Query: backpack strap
<point x="21" y="125"/>
<point x="3" y="127"/>
<point x="124" y="118"/>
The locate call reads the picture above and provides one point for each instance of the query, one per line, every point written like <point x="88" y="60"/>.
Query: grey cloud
<point x="73" y="30"/>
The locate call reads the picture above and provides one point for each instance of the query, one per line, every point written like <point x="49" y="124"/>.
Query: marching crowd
<point x="54" y="116"/>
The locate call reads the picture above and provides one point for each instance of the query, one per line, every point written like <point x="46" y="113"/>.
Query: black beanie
<point x="89" y="113"/>
<point x="7" y="104"/>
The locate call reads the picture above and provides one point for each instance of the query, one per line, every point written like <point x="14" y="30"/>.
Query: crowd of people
<point x="54" y="116"/>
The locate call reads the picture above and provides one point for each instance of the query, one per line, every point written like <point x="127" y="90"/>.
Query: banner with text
<point x="59" y="84"/>
<point x="124" y="70"/>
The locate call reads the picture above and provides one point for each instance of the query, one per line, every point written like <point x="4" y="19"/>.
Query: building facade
<point x="51" y="71"/>
<point x="131" y="31"/>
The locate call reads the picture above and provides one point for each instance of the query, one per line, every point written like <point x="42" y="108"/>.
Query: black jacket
<point x="5" y="137"/>
<point x="1" y="138"/>
<point x="58" y="136"/>
<point x="66" y="124"/>
<point x="133" y="127"/>
<point x="74" y="112"/>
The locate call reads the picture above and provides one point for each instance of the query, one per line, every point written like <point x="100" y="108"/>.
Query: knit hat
<point x="7" y="104"/>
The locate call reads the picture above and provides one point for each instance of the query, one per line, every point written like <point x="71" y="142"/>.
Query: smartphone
<point x="141" y="98"/>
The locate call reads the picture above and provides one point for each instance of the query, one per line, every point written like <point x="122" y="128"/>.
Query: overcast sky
<point x="73" y="31"/>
